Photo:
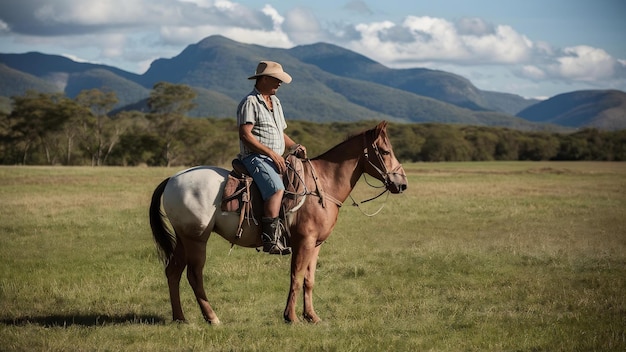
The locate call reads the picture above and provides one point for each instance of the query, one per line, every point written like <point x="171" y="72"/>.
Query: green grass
<point x="474" y="256"/>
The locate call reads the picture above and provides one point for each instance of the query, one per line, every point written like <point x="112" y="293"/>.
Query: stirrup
<point x="274" y="245"/>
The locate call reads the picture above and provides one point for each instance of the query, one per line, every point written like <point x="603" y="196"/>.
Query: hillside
<point x="49" y="73"/>
<point x="44" y="65"/>
<point x="330" y="84"/>
<point x="603" y="109"/>
<point x="440" y="85"/>
<point x="15" y="83"/>
<point x="316" y="93"/>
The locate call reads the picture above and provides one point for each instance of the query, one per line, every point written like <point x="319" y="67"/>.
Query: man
<point x="262" y="142"/>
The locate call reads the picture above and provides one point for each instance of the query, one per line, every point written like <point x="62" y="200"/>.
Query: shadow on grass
<point x="84" y="320"/>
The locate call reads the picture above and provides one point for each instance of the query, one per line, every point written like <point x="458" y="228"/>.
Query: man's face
<point x="269" y="85"/>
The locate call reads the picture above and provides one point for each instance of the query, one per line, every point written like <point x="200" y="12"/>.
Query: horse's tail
<point x="162" y="229"/>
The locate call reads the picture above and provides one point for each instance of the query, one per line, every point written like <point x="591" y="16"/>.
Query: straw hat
<point x="272" y="69"/>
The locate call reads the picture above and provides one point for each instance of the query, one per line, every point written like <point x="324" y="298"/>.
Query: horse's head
<point x="380" y="162"/>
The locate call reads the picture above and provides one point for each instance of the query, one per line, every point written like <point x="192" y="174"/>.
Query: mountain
<point x="507" y="102"/>
<point x="16" y="83"/>
<point x="50" y="73"/>
<point x="319" y="92"/>
<point x="430" y="83"/>
<point x="603" y="109"/>
<point x="45" y="66"/>
<point x="330" y="84"/>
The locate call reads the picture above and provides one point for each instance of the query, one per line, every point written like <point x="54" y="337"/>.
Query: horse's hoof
<point x="312" y="319"/>
<point x="215" y="322"/>
<point x="291" y="321"/>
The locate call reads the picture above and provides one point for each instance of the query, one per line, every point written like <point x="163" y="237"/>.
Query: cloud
<point x="138" y="31"/>
<point x="67" y="17"/>
<point x="302" y="26"/>
<point x="359" y="7"/>
<point x="474" y="26"/>
<point x="533" y="72"/>
<point x="429" y="39"/>
<point x="113" y="28"/>
<point x="585" y="63"/>
<point x="4" y="27"/>
<point x="435" y="42"/>
<point x="577" y="64"/>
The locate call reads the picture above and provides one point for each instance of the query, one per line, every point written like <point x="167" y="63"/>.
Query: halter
<point x="384" y="174"/>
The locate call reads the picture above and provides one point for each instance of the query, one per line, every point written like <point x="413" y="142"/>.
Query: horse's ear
<point x="381" y="127"/>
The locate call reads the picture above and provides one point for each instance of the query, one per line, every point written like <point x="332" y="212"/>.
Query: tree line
<point x="52" y="129"/>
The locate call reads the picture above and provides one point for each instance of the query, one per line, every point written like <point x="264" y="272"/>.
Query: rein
<point x="319" y="192"/>
<point x="383" y="173"/>
<point x="355" y="204"/>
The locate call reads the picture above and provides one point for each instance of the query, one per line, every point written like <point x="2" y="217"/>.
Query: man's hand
<point x="279" y="161"/>
<point x="298" y="150"/>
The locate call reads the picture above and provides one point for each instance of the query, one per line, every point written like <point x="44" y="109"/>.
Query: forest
<point x="53" y="129"/>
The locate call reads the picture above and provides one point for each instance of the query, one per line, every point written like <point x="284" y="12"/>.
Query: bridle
<point x="383" y="173"/>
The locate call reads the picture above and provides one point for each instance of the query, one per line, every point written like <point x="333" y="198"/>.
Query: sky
<point x="532" y="48"/>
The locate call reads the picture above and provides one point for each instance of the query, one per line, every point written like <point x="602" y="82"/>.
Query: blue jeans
<point x="264" y="173"/>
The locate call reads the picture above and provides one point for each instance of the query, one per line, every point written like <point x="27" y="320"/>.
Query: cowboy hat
<point x="272" y="69"/>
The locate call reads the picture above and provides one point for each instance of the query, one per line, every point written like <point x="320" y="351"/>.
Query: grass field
<point x="518" y="256"/>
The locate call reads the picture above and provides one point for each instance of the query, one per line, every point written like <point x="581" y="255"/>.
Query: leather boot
<point x="271" y="236"/>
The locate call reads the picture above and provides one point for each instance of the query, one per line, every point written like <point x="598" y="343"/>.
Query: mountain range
<point x="330" y="84"/>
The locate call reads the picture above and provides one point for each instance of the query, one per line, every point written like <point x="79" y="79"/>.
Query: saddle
<point x="240" y="191"/>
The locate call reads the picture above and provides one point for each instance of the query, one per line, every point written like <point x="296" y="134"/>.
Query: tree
<point x="138" y="144"/>
<point x="168" y="105"/>
<point x="99" y="133"/>
<point x="35" y="117"/>
<point x="407" y="142"/>
<point x="483" y="141"/>
<point x="538" y="146"/>
<point x="445" y="143"/>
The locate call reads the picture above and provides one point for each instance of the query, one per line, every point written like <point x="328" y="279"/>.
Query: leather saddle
<point x="240" y="192"/>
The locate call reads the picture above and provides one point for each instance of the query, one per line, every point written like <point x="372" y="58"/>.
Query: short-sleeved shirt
<point x="268" y="125"/>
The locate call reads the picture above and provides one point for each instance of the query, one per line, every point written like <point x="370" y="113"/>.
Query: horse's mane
<point x="347" y="140"/>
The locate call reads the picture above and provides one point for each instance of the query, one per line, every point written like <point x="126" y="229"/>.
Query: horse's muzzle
<point x="397" y="183"/>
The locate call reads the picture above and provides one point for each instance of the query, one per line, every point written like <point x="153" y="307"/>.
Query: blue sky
<point x="533" y="48"/>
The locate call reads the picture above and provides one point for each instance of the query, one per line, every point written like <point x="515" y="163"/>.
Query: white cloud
<point x="271" y="36"/>
<point x="302" y="26"/>
<point x="474" y="26"/>
<point x="74" y="57"/>
<point x="575" y="64"/>
<point x="94" y="13"/>
<point x="532" y="72"/>
<point x="271" y="12"/>
<point x="505" y="45"/>
<point x="4" y="27"/>
<point x="437" y="39"/>
<point x="435" y="42"/>
<point x="585" y="63"/>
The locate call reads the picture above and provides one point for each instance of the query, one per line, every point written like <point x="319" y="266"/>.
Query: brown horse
<point x="185" y="210"/>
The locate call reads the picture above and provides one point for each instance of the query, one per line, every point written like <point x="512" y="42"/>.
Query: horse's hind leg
<point x="196" y="257"/>
<point x="173" y="272"/>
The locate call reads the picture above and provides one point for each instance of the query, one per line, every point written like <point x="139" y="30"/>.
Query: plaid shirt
<point x="268" y="125"/>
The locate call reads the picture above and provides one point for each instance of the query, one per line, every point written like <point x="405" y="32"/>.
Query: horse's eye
<point x="385" y="152"/>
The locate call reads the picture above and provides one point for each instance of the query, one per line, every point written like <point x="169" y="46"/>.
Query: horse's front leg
<point x="309" y="283"/>
<point x="303" y="254"/>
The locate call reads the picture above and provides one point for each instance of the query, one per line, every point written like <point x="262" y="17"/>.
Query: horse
<point x="185" y="210"/>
